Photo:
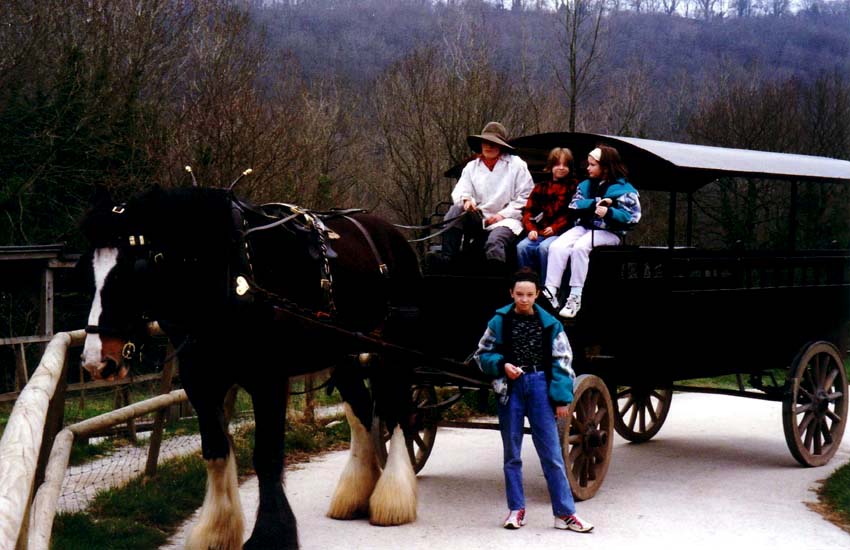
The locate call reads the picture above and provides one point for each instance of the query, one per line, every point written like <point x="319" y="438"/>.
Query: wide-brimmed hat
<point x="493" y="132"/>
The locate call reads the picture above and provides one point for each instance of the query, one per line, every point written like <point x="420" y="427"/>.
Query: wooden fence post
<point x="160" y="418"/>
<point x="309" y="399"/>
<point x="21" y="376"/>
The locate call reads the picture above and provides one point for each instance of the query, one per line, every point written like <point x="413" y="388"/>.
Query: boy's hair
<point x="557" y="156"/>
<point x="526" y="274"/>
<point x="611" y="164"/>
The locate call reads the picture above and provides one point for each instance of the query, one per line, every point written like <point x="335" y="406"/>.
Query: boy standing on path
<point x="528" y="346"/>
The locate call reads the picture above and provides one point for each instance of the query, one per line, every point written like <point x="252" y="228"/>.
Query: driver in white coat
<point x="496" y="185"/>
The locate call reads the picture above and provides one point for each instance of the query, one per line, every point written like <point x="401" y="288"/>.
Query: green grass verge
<point x="835" y="493"/>
<point x="143" y="514"/>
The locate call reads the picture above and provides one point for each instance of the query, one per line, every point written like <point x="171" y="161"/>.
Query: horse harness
<point x="304" y="219"/>
<point x="278" y="214"/>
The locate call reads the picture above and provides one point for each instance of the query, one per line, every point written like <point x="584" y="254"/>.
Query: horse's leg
<point x="393" y="502"/>
<point x="220" y="524"/>
<point x="351" y="498"/>
<point x="275" y="528"/>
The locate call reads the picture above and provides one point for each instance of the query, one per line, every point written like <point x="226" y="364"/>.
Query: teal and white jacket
<point x="623" y="214"/>
<point x="494" y="351"/>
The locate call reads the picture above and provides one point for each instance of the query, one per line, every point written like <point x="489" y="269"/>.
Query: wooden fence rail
<point x="34" y="452"/>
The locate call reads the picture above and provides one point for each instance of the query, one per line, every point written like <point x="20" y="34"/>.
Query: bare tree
<point x="581" y="35"/>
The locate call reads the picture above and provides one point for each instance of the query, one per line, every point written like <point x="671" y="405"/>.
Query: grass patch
<point x="835" y="493"/>
<point x="143" y="514"/>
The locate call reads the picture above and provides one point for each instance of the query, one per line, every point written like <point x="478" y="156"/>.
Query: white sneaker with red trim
<point x="573" y="523"/>
<point x="515" y="519"/>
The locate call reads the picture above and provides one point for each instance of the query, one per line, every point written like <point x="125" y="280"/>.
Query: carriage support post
<point x="671" y="222"/>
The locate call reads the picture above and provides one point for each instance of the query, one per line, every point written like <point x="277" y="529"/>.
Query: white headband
<point x="596" y="154"/>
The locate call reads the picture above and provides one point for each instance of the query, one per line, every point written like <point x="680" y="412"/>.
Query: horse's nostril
<point x="110" y="368"/>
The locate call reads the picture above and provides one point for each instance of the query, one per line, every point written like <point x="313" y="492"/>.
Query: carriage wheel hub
<point x="820" y="402"/>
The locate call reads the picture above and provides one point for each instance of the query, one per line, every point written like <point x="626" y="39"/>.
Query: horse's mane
<point x="186" y="218"/>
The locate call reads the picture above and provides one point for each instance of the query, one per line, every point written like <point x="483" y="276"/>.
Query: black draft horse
<point x="188" y="259"/>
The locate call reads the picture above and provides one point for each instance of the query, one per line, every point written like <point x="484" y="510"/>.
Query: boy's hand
<point x="495" y="218"/>
<point x="512" y="371"/>
<point x="469" y="205"/>
<point x="548" y="232"/>
<point x="532" y="235"/>
<point x="562" y="411"/>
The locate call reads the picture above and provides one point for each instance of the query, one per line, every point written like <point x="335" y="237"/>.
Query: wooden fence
<point x="34" y="449"/>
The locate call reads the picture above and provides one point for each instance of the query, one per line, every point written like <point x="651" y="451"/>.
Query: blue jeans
<point x="535" y="254"/>
<point x="529" y="396"/>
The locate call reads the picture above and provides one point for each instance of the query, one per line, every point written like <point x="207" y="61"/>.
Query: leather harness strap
<point x="382" y="267"/>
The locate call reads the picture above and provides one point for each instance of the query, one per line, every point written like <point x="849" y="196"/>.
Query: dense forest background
<point x="367" y="102"/>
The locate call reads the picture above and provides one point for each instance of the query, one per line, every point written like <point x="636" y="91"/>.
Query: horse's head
<point x="117" y="272"/>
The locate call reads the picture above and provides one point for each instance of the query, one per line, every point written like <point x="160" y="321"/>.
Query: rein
<point x="445" y="225"/>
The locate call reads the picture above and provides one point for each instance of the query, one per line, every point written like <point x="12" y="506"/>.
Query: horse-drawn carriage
<point x="284" y="291"/>
<point x="778" y="319"/>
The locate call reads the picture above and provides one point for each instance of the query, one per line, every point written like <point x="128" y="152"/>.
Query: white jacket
<point x="503" y="191"/>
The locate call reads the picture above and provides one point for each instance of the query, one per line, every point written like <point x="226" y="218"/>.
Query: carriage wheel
<point x="641" y="411"/>
<point x="588" y="442"/>
<point x="814" y="411"/>
<point x="425" y="420"/>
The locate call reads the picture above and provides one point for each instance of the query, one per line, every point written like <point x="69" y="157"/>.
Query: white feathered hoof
<point x="220" y="524"/>
<point x="358" y="479"/>
<point x="394" y="500"/>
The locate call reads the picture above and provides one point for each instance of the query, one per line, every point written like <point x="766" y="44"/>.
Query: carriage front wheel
<point x="588" y="442"/>
<point x="424" y="420"/>
<point x="814" y="409"/>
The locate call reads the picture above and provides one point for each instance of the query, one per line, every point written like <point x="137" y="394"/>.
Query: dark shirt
<point x="527" y="341"/>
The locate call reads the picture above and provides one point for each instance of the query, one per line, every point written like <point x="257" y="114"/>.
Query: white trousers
<point x="574" y="247"/>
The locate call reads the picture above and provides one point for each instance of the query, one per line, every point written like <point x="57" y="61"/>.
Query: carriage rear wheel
<point x="588" y="442"/>
<point x="814" y="411"/>
<point x="641" y="411"/>
<point x="425" y="421"/>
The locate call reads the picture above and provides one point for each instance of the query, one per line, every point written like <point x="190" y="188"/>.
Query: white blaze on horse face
<point x="105" y="259"/>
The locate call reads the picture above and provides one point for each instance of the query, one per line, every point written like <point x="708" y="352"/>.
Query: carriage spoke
<point x="799" y="409"/>
<point x="830" y="380"/>
<point x="629" y="404"/>
<point x="574" y="439"/>
<point x="827" y="436"/>
<point x="600" y="416"/>
<point x="419" y="441"/>
<point x="643" y="418"/>
<point x="832" y="416"/>
<point x="804" y="423"/>
<point x="817" y="438"/>
<point x="807" y="440"/>
<point x="652" y="414"/>
<point x="574" y="453"/>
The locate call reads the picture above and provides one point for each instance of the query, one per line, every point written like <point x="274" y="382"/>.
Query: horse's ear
<point x="101" y="196"/>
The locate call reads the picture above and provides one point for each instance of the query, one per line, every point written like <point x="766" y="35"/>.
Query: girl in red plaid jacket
<point x="546" y="214"/>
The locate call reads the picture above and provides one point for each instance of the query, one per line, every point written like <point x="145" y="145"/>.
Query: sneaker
<point x="515" y="519"/>
<point x="572" y="523"/>
<point x="551" y="294"/>
<point x="571" y="307"/>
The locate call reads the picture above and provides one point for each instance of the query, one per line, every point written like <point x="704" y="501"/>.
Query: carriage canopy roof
<point x="669" y="166"/>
